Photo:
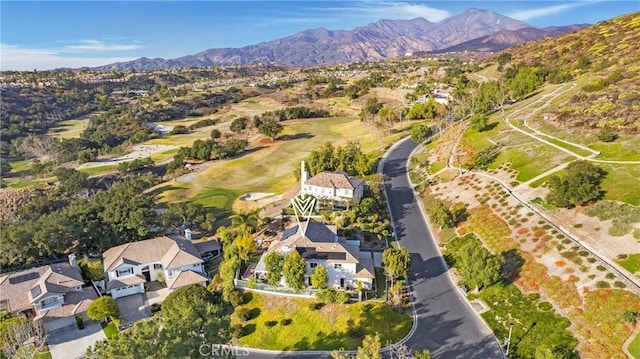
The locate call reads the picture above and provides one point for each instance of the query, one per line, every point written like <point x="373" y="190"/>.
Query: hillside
<point x="506" y="38"/>
<point x="604" y="58"/>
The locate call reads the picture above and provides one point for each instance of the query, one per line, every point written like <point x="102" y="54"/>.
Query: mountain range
<point x="472" y="30"/>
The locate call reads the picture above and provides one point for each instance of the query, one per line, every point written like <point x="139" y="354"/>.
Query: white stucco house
<point x="319" y="245"/>
<point x="177" y="261"/>
<point x="54" y="294"/>
<point x="337" y="186"/>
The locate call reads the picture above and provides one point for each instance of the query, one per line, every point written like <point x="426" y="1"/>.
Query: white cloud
<point x="15" y="58"/>
<point x="544" y="11"/>
<point x="392" y="10"/>
<point x="405" y="10"/>
<point x="99" y="46"/>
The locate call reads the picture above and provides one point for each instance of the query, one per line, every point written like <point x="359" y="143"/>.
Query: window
<point x="124" y="272"/>
<point x="313" y="265"/>
<point x="48" y="302"/>
<point x="337" y="266"/>
<point x="157" y="266"/>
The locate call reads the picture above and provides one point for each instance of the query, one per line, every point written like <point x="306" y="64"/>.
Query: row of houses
<point x="57" y="293"/>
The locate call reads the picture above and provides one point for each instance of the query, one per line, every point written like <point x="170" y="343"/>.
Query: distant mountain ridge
<point x="379" y="40"/>
<point x="506" y="38"/>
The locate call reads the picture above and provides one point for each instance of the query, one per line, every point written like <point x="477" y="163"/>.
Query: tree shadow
<point x="248" y="329"/>
<point x="490" y="126"/>
<point x="513" y="262"/>
<point x="247" y="297"/>
<point x="254" y="313"/>
<point x="297" y="136"/>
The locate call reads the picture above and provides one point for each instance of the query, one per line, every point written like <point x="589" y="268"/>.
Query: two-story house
<point x="54" y="294"/>
<point x="178" y="262"/>
<point x="319" y="244"/>
<point x="336" y="186"/>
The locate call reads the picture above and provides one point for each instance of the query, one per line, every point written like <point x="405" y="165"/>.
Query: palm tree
<point x="248" y="222"/>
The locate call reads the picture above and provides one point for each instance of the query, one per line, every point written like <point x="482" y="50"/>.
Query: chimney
<point x="187" y="234"/>
<point x="72" y="260"/>
<point x="303" y="173"/>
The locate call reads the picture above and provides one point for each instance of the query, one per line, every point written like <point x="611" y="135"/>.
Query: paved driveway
<point x="132" y="308"/>
<point x="71" y="343"/>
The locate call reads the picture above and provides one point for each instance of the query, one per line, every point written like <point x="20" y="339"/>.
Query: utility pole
<point x="509" y="339"/>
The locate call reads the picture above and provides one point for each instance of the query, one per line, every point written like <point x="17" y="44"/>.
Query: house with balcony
<point x="54" y="294"/>
<point x="335" y="186"/>
<point x="176" y="261"/>
<point x="320" y="245"/>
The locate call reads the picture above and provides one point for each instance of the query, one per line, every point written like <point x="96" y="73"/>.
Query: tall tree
<point x="103" y="308"/>
<point x="396" y="262"/>
<point x="420" y="132"/>
<point x="440" y="214"/>
<point x="270" y="128"/>
<point x="22" y="337"/>
<point x="477" y="265"/>
<point x="294" y="269"/>
<point x="246" y="221"/>
<point x="239" y="124"/>
<point x="245" y="244"/>
<point x="479" y="122"/>
<point x="580" y="185"/>
<point x="319" y="277"/>
<point x="188" y="215"/>
<point x="273" y="262"/>
<point x="370" y="348"/>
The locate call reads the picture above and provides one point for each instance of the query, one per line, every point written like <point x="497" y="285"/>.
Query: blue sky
<point x="51" y="34"/>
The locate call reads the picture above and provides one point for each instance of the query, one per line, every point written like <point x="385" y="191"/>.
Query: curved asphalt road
<point x="446" y="323"/>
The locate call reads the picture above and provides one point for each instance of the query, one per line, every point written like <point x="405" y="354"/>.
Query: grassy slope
<point x="632" y="263"/>
<point x="634" y="347"/>
<point x="318" y="329"/>
<point x="71" y="128"/>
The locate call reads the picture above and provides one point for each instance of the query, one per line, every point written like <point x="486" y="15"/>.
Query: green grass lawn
<point x="110" y="330"/>
<point x="531" y="160"/>
<point x="163" y="156"/>
<point x="625" y="148"/>
<point x="567" y="146"/>
<point x="31" y="183"/>
<point x="21" y="166"/>
<point x="333" y="326"/>
<point x="622" y="182"/>
<point x="71" y="128"/>
<point x="634" y="347"/>
<point x="269" y="166"/>
<point x="186" y="139"/>
<point x="436" y="166"/>
<point x="98" y="170"/>
<point x="45" y="355"/>
<point x="631" y="263"/>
